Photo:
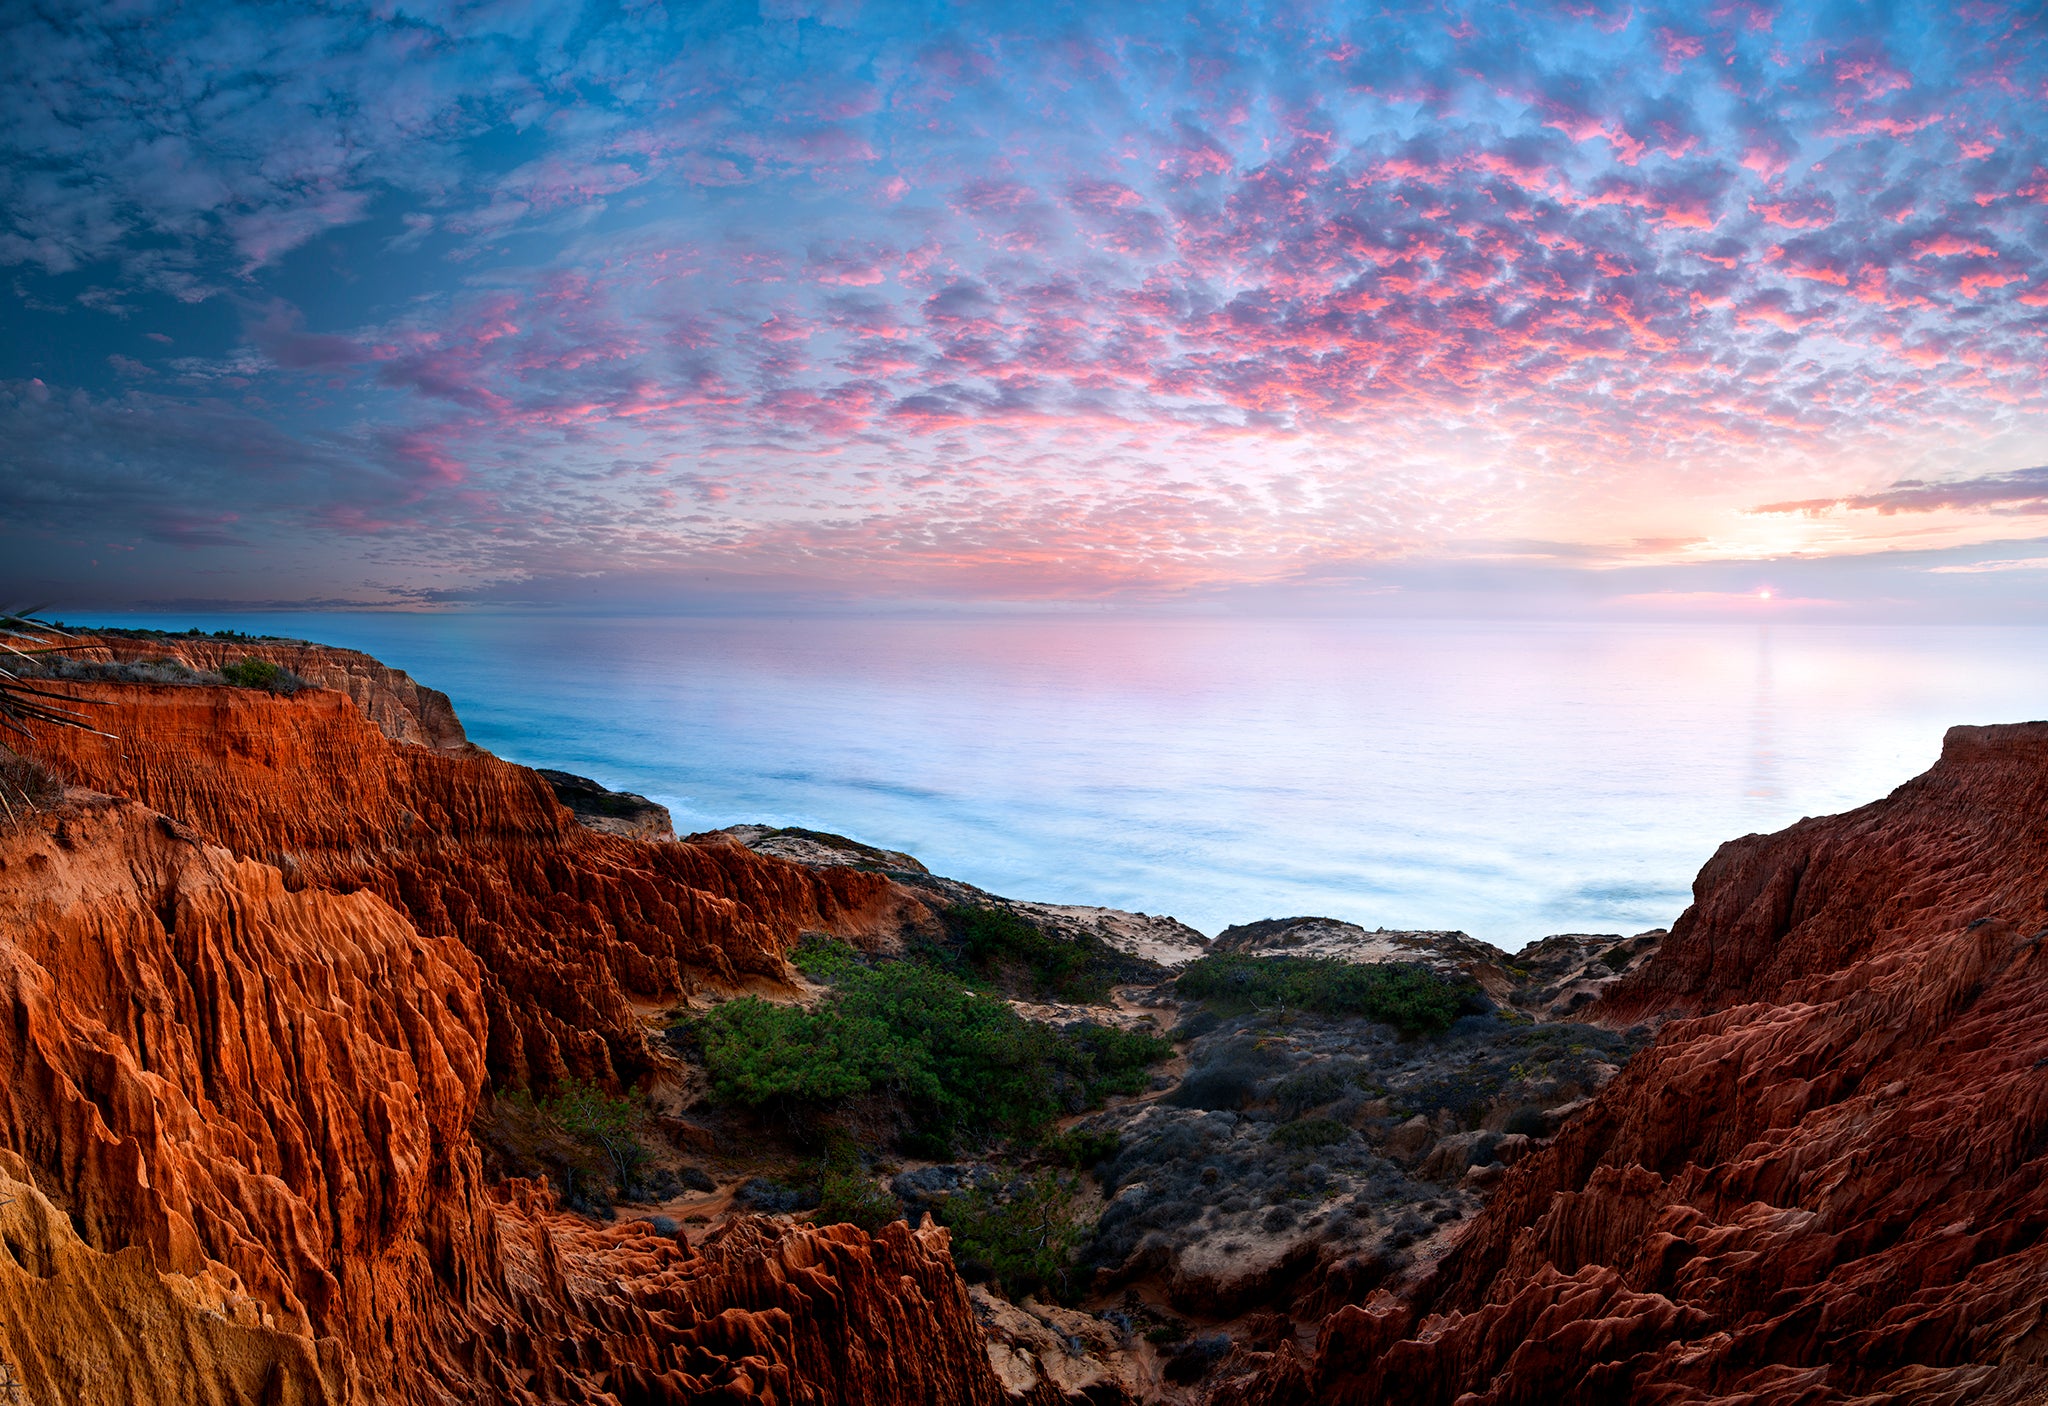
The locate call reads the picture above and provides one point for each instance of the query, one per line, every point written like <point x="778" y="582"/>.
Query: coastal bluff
<point x="270" y="958"/>
<point x="262" y="963"/>
<point x="1826" y="1181"/>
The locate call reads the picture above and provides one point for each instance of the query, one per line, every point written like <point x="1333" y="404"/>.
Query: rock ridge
<point x="1827" y="1180"/>
<point x="235" y="1152"/>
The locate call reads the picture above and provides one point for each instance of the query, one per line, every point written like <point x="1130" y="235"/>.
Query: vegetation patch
<point x="591" y="1145"/>
<point x="847" y="1195"/>
<point x="963" y="1065"/>
<point x="1023" y="1235"/>
<point x="26" y="785"/>
<point x="1081" y="1148"/>
<point x="1000" y="946"/>
<point x="1410" y="997"/>
<point x="822" y="957"/>
<point x="1314" y="1086"/>
<point x="262" y="674"/>
<point x="1310" y="1132"/>
<point x="611" y="1123"/>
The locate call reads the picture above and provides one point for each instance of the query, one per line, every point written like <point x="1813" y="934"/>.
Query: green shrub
<point x="847" y="1195"/>
<point x="261" y="673"/>
<point x="1082" y="1149"/>
<point x="1408" y="996"/>
<point x="1616" y="957"/>
<point x="608" y="1121"/>
<point x="1312" y="1088"/>
<point x="1023" y="1236"/>
<point x="1309" y="1132"/>
<point x="995" y="942"/>
<point x="962" y="1063"/>
<point x="823" y="958"/>
<point x="1114" y="1060"/>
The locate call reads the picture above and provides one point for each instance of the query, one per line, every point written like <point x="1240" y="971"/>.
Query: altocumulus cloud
<point x="1016" y="301"/>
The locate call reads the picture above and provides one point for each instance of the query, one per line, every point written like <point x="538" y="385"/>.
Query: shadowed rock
<point x="614" y="812"/>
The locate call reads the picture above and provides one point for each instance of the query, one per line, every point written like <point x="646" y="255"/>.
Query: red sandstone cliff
<point x="402" y="708"/>
<point x="567" y="925"/>
<point x="1826" y="1182"/>
<point x="235" y="1098"/>
<point x="243" y="1039"/>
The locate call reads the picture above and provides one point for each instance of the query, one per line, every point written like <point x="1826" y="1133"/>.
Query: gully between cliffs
<point x="265" y="959"/>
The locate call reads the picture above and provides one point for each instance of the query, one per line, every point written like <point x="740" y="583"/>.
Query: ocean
<point x="1509" y="780"/>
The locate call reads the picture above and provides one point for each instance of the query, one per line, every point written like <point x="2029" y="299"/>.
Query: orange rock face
<point x="1828" y="1179"/>
<point x="235" y="1094"/>
<point x="402" y="708"/>
<point x="568" y="925"/>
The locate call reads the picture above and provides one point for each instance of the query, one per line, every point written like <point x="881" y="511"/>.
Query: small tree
<point x="613" y="1122"/>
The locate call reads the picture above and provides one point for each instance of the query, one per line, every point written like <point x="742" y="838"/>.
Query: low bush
<point x="1312" y="1087"/>
<point x="154" y="671"/>
<point x="764" y="1194"/>
<point x="962" y="1063"/>
<point x="1228" y="1075"/>
<point x="25" y="785"/>
<point x="1023" y="1235"/>
<point x="1309" y="1132"/>
<point x="998" y="944"/>
<point x="1082" y="1149"/>
<point x="261" y="673"/>
<point x="1407" y="996"/>
<point x="1218" y="1088"/>
<point x="824" y="958"/>
<point x="847" y="1195"/>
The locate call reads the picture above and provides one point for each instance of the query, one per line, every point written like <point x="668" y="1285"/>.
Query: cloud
<point x="1976" y="568"/>
<point x="2020" y="491"/>
<point x="1047" y="303"/>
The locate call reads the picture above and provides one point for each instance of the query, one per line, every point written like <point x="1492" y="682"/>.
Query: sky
<point x="1726" y="308"/>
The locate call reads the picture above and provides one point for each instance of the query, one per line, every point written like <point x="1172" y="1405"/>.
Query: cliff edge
<point x="252" y="1005"/>
<point x="1827" y="1180"/>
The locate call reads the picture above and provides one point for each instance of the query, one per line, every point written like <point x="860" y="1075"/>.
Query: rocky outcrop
<point x="236" y="1167"/>
<point x="1828" y="1179"/>
<point x="614" y="812"/>
<point x="570" y="927"/>
<point x="818" y="848"/>
<point x="1155" y="939"/>
<point x="1553" y="978"/>
<point x="1046" y="1355"/>
<point x="1447" y="952"/>
<point x="399" y="706"/>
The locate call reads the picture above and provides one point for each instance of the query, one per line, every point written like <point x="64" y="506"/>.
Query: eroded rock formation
<point x="255" y="993"/>
<point x="569" y="926"/>
<point x="1828" y="1179"/>
<point x="401" y="707"/>
<point x="251" y="1013"/>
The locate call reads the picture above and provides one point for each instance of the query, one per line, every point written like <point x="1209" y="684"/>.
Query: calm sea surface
<point x="1511" y="781"/>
